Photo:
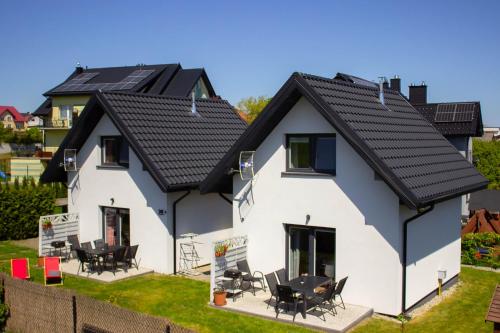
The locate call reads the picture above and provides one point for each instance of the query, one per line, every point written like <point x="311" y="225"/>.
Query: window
<point x="311" y="153"/>
<point x="65" y="111"/>
<point x="114" y="151"/>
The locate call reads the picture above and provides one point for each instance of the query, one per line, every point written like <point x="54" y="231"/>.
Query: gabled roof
<point x="18" y="117"/>
<point x="472" y="126"/>
<point x="177" y="147"/>
<point x="184" y="81"/>
<point x="403" y="148"/>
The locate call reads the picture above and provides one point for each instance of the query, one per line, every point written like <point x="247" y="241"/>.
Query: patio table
<point x="305" y="285"/>
<point x="103" y="252"/>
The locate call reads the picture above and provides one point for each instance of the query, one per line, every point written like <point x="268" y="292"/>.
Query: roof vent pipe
<point x="193" y="105"/>
<point x="382" y="81"/>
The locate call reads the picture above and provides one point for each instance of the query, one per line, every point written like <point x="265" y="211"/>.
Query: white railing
<point x="236" y="251"/>
<point x="56" y="228"/>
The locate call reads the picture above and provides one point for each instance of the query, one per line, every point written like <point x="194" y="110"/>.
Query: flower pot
<point x="220" y="298"/>
<point x="46" y="226"/>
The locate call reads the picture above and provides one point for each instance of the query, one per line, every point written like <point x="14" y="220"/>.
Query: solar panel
<point x="454" y="112"/>
<point x="78" y="83"/>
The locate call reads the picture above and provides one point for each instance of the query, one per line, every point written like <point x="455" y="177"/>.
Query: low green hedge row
<point x="471" y="243"/>
<point x="21" y="206"/>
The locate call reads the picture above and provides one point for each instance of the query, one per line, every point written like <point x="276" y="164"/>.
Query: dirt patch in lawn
<point x="32" y="243"/>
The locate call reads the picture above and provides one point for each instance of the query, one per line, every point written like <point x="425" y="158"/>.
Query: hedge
<point x="21" y="206"/>
<point x="488" y="243"/>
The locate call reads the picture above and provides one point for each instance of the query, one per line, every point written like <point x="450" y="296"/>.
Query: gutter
<point x="405" y="251"/>
<point x="174" y="226"/>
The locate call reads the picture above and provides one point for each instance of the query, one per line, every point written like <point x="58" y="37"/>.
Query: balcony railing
<point x="59" y="123"/>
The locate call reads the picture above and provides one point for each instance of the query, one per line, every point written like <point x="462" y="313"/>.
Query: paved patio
<point x="257" y="305"/>
<point x="71" y="267"/>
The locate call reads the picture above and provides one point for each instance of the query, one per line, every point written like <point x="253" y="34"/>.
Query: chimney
<point x="386" y="84"/>
<point x="418" y="94"/>
<point x="396" y="84"/>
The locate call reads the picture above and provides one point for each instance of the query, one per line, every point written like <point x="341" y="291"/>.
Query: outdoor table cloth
<point x="305" y="285"/>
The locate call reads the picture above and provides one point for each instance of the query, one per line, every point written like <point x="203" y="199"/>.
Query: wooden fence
<point x="36" y="308"/>
<point x="62" y="225"/>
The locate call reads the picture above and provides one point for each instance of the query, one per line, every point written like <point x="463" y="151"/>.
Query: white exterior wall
<point x="364" y="212"/>
<point x="207" y="215"/>
<point x="131" y="188"/>
<point x="433" y="244"/>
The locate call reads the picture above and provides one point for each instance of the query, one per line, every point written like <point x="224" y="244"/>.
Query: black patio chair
<point x="285" y="295"/>
<point x="250" y="277"/>
<point x="338" y="291"/>
<point x="130" y="256"/>
<point x="281" y="274"/>
<point x="85" y="258"/>
<point x="86" y="245"/>
<point x="272" y="282"/>
<point x="119" y="257"/>
<point x="74" y="244"/>
<point x="324" y="301"/>
<point x="99" y="243"/>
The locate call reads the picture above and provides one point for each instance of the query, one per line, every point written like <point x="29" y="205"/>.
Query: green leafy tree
<point x="486" y="157"/>
<point x="253" y="106"/>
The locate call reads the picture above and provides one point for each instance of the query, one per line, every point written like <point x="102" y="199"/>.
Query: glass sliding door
<point x="299" y="252"/>
<point x="311" y="251"/>
<point x="116" y="226"/>
<point x="325" y="253"/>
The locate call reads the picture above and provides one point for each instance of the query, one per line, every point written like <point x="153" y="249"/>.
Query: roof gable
<point x="177" y="147"/>
<point x="412" y="157"/>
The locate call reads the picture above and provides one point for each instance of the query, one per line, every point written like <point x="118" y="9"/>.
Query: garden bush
<point x="4" y="310"/>
<point x="471" y="243"/>
<point x="21" y="206"/>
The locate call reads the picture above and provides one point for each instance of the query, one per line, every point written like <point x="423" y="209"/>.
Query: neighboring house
<point x="65" y="102"/>
<point x="491" y="134"/>
<point x="34" y="121"/>
<point x="11" y="118"/>
<point x="458" y="122"/>
<point x="140" y="161"/>
<point x="349" y="183"/>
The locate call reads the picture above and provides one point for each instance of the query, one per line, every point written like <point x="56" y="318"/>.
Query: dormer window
<point x="114" y="151"/>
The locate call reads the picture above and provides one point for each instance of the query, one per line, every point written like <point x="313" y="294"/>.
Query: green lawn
<point x="184" y="301"/>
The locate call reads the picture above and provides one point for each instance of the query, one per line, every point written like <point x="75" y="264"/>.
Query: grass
<point x="184" y="301"/>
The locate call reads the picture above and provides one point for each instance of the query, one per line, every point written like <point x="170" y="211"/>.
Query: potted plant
<point x="220" y="250"/>
<point x="220" y="296"/>
<point x="46" y="225"/>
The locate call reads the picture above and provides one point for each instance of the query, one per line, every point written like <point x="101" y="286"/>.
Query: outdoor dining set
<point x="301" y="294"/>
<point x="99" y="257"/>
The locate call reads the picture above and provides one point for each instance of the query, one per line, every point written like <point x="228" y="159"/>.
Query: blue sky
<point x="250" y="48"/>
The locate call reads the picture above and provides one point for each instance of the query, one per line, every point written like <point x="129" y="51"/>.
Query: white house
<point x="350" y="182"/>
<point x="140" y="159"/>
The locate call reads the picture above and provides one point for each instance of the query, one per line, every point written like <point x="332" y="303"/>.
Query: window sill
<point x="113" y="167"/>
<point x="306" y="174"/>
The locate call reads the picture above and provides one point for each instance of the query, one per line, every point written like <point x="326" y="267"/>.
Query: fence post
<point x="74" y="313"/>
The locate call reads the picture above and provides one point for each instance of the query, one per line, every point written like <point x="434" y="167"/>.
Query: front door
<point x="311" y="251"/>
<point x="116" y="226"/>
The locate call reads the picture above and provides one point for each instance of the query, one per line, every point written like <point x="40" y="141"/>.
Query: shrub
<point x="21" y="208"/>
<point x="4" y="311"/>
<point x="471" y="243"/>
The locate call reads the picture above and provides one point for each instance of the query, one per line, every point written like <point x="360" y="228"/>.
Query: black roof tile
<point x="414" y="159"/>
<point x="178" y="147"/>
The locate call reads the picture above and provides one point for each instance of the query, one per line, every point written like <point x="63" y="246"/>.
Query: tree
<point x="253" y="106"/>
<point x="486" y="157"/>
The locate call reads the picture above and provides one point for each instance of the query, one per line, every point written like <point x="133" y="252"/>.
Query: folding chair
<point x="52" y="271"/>
<point x="20" y="268"/>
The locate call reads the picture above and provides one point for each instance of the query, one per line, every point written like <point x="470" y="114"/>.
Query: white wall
<point x="131" y="188"/>
<point x="433" y="244"/>
<point x="207" y="215"/>
<point x="364" y="212"/>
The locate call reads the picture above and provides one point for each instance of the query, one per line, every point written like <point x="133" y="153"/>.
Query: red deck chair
<point x="52" y="271"/>
<point x="20" y="268"/>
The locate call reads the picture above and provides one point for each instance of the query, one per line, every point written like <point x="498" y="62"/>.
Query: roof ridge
<point x="131" y="66"/>
<point x="131" y="93"/>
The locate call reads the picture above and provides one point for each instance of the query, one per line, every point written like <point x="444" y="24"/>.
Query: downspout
<point x="174" y="226"/>
<point x="405" y="250"/>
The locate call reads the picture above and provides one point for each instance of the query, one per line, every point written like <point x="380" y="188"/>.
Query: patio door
<point x="116" y="226"/>
<point x="310" y="251"/>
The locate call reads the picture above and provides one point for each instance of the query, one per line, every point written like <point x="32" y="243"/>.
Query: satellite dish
<point x="69" y="160"/>
<point x="246" y="165"/>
